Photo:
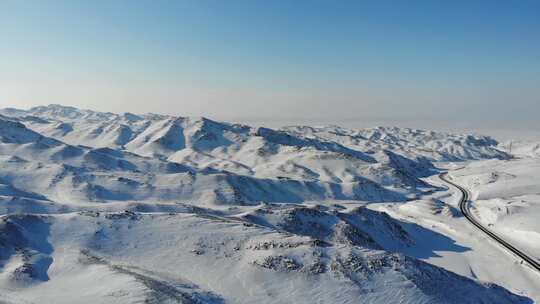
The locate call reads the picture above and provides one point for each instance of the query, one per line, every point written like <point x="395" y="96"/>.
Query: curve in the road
<point x="464" y="207"/>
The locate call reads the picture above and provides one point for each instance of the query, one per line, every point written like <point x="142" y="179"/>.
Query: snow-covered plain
<point x="507" y="198"/>
<point x="123" y="208"/>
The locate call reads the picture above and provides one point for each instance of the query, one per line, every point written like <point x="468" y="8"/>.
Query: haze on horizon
<point x="460" y="64"/>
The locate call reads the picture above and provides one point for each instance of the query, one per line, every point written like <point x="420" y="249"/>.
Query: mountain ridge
<point x="119" y="198"/>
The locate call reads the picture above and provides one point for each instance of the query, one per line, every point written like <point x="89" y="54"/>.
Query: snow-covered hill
<point x="123" y="208"/>
<point x="439" y="146"/>
<point x="188" y="258"/>
<point x="79" y="175"/>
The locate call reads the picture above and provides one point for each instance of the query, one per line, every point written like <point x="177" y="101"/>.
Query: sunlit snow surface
<point x="107" y="208"/>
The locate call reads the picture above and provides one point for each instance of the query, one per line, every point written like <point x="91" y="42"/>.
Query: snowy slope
<point x="521" y="148"/>
<point x="197" y="259"/>
<point x="162" y="209"/>
<point x="507" y="199"/>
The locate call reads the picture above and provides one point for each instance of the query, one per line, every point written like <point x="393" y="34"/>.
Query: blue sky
<point x="337" y="60"/>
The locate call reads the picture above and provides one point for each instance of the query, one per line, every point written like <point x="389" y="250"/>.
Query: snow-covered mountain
<point x="438" y="146"/>
<point x="161" y="209"/>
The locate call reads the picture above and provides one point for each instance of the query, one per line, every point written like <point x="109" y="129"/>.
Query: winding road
<point x="464" y="207"/>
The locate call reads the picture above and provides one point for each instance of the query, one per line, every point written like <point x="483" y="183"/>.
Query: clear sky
<point x="397" y="61"/>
